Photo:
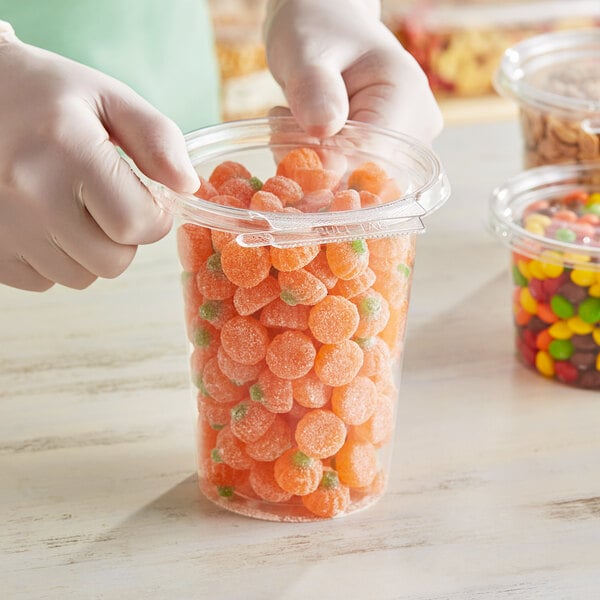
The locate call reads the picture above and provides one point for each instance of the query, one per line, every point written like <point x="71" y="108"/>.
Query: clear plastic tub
<point x="550" y="218"/>
<point x="296" y="280"/>
<point x="555" y="79"/>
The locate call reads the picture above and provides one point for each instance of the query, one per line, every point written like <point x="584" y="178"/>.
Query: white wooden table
<point x="495" y="492"/>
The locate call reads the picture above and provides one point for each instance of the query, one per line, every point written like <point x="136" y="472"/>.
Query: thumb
<point x="318" y="98"/>
<point x="151" y="139"/>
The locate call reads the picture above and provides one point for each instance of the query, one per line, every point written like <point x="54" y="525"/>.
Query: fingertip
<point x="318" y="100"/>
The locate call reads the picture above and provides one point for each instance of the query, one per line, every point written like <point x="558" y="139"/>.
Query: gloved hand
<point x="336" y="60"/>
<point x="71" y="209"/>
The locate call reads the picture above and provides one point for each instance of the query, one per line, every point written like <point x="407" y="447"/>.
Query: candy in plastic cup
<point x="550" y="218"/>
<point x="297" y="258"/>
<point x="555" y="79"/>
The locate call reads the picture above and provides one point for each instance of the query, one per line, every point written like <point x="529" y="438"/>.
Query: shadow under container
<point x="297" y="258"/>
<point x="555" y="79"/>
<point x="550" y="218"/>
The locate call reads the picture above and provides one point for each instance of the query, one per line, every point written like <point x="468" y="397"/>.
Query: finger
<point x="87" y="244"/>
<point x="318" y="98"/>
<point x="387" y="88"/>
<point x="52" y="263"/>
<point x="17" y="273"/>
<point x="116" y="199"/>
<point x="151" y="139"/>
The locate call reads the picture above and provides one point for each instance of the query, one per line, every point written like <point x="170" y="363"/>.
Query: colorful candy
<point x="557" y="300"/>
<point x="293" y="348"/>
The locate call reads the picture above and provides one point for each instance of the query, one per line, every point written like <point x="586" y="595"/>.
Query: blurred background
<point x="457" y="42"/>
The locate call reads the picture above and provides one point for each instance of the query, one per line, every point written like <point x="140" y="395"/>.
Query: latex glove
<point x="336" y="60"/>
<point x="71" y="209"/>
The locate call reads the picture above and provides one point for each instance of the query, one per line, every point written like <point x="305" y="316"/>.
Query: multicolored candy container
<point x="555" y="79"/>
<point x="550" y="217"/>
<point x="297" y="257"/>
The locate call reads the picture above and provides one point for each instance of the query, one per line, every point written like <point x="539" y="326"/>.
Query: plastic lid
<point x="555" y="71"/>
<point x="259" y="144"/>
<point x="551" y="212"/>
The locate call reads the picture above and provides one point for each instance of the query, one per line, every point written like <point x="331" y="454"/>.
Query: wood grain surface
<point x="494" y="494"/>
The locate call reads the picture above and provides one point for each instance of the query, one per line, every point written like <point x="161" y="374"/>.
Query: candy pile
<point x="557" y="294"/>
<point x="295" y="349"/>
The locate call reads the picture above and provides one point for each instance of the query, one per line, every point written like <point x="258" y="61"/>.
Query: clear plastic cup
<point x="555" y="79"/>
<point x="296" y="293"/>
<point x="550" y="218"/>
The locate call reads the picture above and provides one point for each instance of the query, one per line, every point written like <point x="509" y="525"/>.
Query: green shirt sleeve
<point x="163" y="49"/>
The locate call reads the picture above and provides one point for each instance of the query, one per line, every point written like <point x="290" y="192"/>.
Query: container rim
<point x="402" y="215"/>
<point x="510" y="78"/>
<point x="508" y="200"/>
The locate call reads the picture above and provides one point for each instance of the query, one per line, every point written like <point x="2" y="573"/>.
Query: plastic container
<point x="459" y="43"/>
<point x="550" y="218"/>
<point x="555" y="79"/>
<point x="296" y="309"/>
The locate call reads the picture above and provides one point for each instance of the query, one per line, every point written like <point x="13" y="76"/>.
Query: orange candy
<point x="349" y="288"/>
<point x="217" y="385"/>
<point x="374" y="313"/>
<point x="216" y="312"/>
<point x="356" y="463"/>
<point x="348" y="259"/>
<point x="262" y="480"/>
<point x="212" y="282"/>
<point x="378" y="429"/>
<point x="194" y="246"/>
<point x="279" y="314"/>
<point x="240" y="188"/>
<point x="338" y="364"/>
<point x="291" y="259"/>
<point x="273" y="443"/>
<point x="221" y="238"/>
<point x="300" y="287"/>
<point x="287" y="190"/>
<point x="217" y="415"/>
<point x="311" y="180"/>
<point x="297" y="473"/>
<point x="273" y="392"/>
<point x="376" y="357"/>
<point x="309" y="391"/>
<point x="226" y="170"/>
<point x="346" y="200"/>
<point x="249" y="300"/>
<point x="290" y="354"/>
<point x="205" y="338"/>
<point x="250" y="421"/>
<point x="245" y="339"/>
<point x="299" y="158"/>
<point x="231" y="450"/>
<point x="333" y="319"/>
<point x="369" y="177"/>
<point x="236" y="372"/>
<point x="319" y="267"/>
<point x="331" y="498"/>
<point x="320" y="433"/>
<point x="206" y="190"/>
<point x="266" y="202"/>
<point x="354" y="402"/>
<point x="245" y="267"/>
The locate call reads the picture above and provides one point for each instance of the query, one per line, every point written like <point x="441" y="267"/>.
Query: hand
<point x="71" y="209"/>
<point x="335" y="60"/>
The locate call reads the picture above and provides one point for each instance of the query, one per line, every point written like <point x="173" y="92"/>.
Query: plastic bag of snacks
<point x="297" y="257"/>
<point x="550" y="217"/>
